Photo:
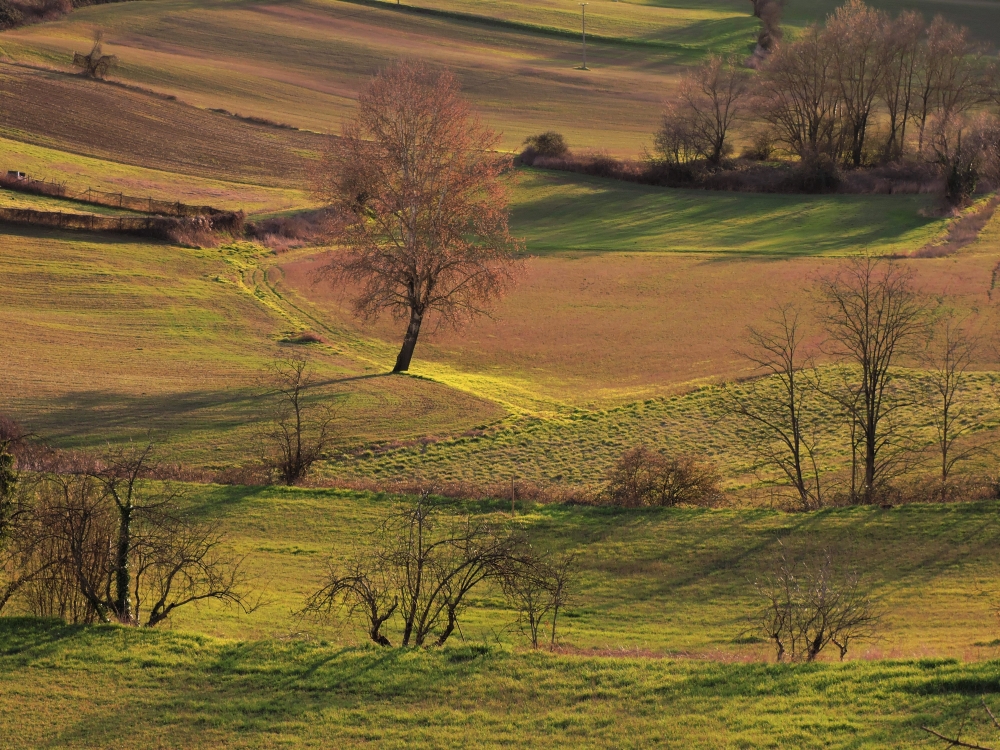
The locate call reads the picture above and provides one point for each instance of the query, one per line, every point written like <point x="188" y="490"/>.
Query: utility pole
<point x="583" y="9"/>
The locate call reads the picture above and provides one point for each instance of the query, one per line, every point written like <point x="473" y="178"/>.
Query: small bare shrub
<point x="95" y="64"/>
<point x="297" y="428"/>
<point x="809" y="605"/>
<point x="539" y="587"/>
<point x="644" y="478"/>
<point x="418" y="568"/>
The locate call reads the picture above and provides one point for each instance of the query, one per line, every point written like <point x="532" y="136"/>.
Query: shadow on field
<point x="261" y="687"/>
<point x="683" y="553"/>
<point x="37" y="636"/>
<point x="91" y="414"/>
<point x="86" y="417"/>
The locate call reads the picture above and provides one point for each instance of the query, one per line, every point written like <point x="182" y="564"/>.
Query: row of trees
<point x="874" y="322"/>
<point x="828" y="92"/>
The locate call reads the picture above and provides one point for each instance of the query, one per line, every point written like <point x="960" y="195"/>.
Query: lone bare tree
<point x="873" y="318"/>
<point x="773" y="408"/>
<point x="296" y="430"/>
<point x="423" y="191"/>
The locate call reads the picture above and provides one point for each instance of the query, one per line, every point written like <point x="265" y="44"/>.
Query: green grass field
<point x="167" y="690"/>
<point x="556" y="212"/>
<point x="632" y="306"/>
<point x="671" y="584"/>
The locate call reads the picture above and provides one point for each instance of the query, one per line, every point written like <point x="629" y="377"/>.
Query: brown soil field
<point x="607" y="328"/>
<point x="112" y="122"/>
<point x="303" y="63"/>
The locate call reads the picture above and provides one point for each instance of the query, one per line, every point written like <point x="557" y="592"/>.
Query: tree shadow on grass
<point x="271" y="686"/>
<point x="85" y="418"/>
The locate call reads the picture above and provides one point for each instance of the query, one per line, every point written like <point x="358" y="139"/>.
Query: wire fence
<point x="95" y="197"/>
<point x="144" y="205"/>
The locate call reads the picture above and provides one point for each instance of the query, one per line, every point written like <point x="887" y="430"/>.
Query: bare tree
<point x="363" y="587"/>
<point x="946" y="364"/>
<point x="674" y="141"/>
<point x="95" y="64"/>
<point x="905" y="52"/>
<point x="711" y="99"/>
<point x="807" y="606"/>
<point x="297" y="428"/>
<point x="799" y="96"/>
<point x="179" y="563"/>
<point x="861" y="56"/>
<point x="419" y="567"/>
<point x="773" y="407"/>
<point x="116" y="539"/>
<point x="425" y="197"/>
<point x="119" y="476"/>
<point x="873" y="318"/>
<point x="949" y="82"/>
<point x="539" y="587"/>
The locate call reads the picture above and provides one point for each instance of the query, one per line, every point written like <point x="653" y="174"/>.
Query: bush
<point x="761" y="147"/>
<point x="549" y="144"/>
<point x="644" y="478"/>
<point x="816" y="173"/>
<point x="962" y="179"/>
<point x="9" y="15"/>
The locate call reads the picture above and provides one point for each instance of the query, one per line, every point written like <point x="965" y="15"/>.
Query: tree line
<point x="862" y="88"/>
<point x="872" y="322"/>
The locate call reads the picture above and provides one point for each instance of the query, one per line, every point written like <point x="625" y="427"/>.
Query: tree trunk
<point x="869" y="488"/>
<point x="409" y="341"/>
<point x="123" y="577"/>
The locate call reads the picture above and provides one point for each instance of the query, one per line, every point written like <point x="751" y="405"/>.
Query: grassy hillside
<point x="179" y="336"/>
<point x="557" y="212"/>
<point x="107" y="337"/>
<point x="654" y="583"/>
<point x="68" y="687"/>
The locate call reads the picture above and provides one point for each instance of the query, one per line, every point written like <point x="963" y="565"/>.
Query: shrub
<point x="548" y="144"/>
<point x="9" y="15"/>
<point x="644" y="478"/>
<point x="761" y="147"/>
<point x="816" y="173"/>
<point x="962" y="179"/>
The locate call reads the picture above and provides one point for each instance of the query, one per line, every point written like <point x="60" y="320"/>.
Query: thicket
<point x="97" y="540"/>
